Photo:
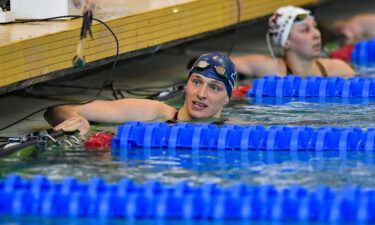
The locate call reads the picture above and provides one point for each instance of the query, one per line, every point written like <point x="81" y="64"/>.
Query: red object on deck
<point x="343" y="53"/>
<point x="98" y="141"/>
<point x="240" y="91"/>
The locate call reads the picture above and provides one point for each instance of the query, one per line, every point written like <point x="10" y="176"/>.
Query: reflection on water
<point x="279" y="168"/>
<point x="301" y="113"/>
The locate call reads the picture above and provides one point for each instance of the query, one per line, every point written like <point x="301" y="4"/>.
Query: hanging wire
<point x="233" y="43"/>
<point x="105" y="82"/>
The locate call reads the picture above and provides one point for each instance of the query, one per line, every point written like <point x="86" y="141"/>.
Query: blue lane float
<point x="312" y="86"/>
<point x="152" y="200"/>
<point x="363" y="57"/>
<point x="236" y="137"/>
<point x="314" y="100"/>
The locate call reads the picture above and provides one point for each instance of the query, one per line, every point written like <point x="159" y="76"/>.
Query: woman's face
<point x="304" y="38"/>
<point x="205" y="97"/>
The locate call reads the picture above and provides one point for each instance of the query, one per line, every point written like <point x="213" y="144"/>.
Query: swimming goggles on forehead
<point x="301" y="17"/>
<point x="220" y="70"/>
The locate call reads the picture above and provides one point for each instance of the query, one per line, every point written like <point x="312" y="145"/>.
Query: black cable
<point x="105" y="83"/>
<point x="231" y="47"/>
<point x="157" y="87"/>
<point x="126" y="89"/>
<point x="135" y="93"/>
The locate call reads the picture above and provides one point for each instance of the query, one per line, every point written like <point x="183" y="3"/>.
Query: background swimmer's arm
<point x="356" y="28"/>
<point x="259" y="65"/>
<point x="363" y="26"/>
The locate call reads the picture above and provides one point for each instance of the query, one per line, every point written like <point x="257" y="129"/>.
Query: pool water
<point x="278" y="168"/>
<point x="313" y="112"/>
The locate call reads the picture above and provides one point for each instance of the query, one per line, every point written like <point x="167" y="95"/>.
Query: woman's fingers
<point x="84" y="128"/>
<point x="74" y="124"/>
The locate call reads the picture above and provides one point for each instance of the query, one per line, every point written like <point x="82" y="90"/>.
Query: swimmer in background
<point x="209" y="88"/>
<point x="294" y="30"/>
<point x="357" y="28"/>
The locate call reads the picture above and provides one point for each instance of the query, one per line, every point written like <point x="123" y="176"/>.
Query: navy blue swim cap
<point x="216" y="66"/>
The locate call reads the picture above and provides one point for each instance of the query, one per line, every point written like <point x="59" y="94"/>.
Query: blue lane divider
<point x="312" y="86"/>
<point x="153" y="200"/>
<point x="236" y="137"/>
<point x="318" y="100"/>
<point x="363" y="57"/>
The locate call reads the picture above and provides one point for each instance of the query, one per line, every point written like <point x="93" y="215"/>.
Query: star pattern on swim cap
<point x="216" y="57"/>
<point x="222" y="61"/>
<point x="232" y="79"/>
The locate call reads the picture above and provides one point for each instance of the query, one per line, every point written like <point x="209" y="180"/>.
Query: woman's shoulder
<point x="336" y="67"/>
<point x="331" y="63"/>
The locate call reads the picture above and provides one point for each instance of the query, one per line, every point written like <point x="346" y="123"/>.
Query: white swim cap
<point x="280" y="23"/>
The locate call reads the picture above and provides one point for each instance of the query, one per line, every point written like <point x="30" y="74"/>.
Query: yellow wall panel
<point x="55" y="46"/>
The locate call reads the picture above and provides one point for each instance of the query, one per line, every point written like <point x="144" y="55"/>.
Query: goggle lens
<point x="220" y="70"/>
<point x="300" y="17"/>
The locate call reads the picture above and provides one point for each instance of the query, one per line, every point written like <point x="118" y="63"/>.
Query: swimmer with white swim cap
<point x="294" y="30"/>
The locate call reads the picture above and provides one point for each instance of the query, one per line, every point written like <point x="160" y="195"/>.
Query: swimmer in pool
<point x="209" y="88"/>
<point x="294" y="30"/>
<point x="357" y="28"/>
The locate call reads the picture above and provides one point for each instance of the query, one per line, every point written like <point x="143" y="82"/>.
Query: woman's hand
<point x="73" y="124"/>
